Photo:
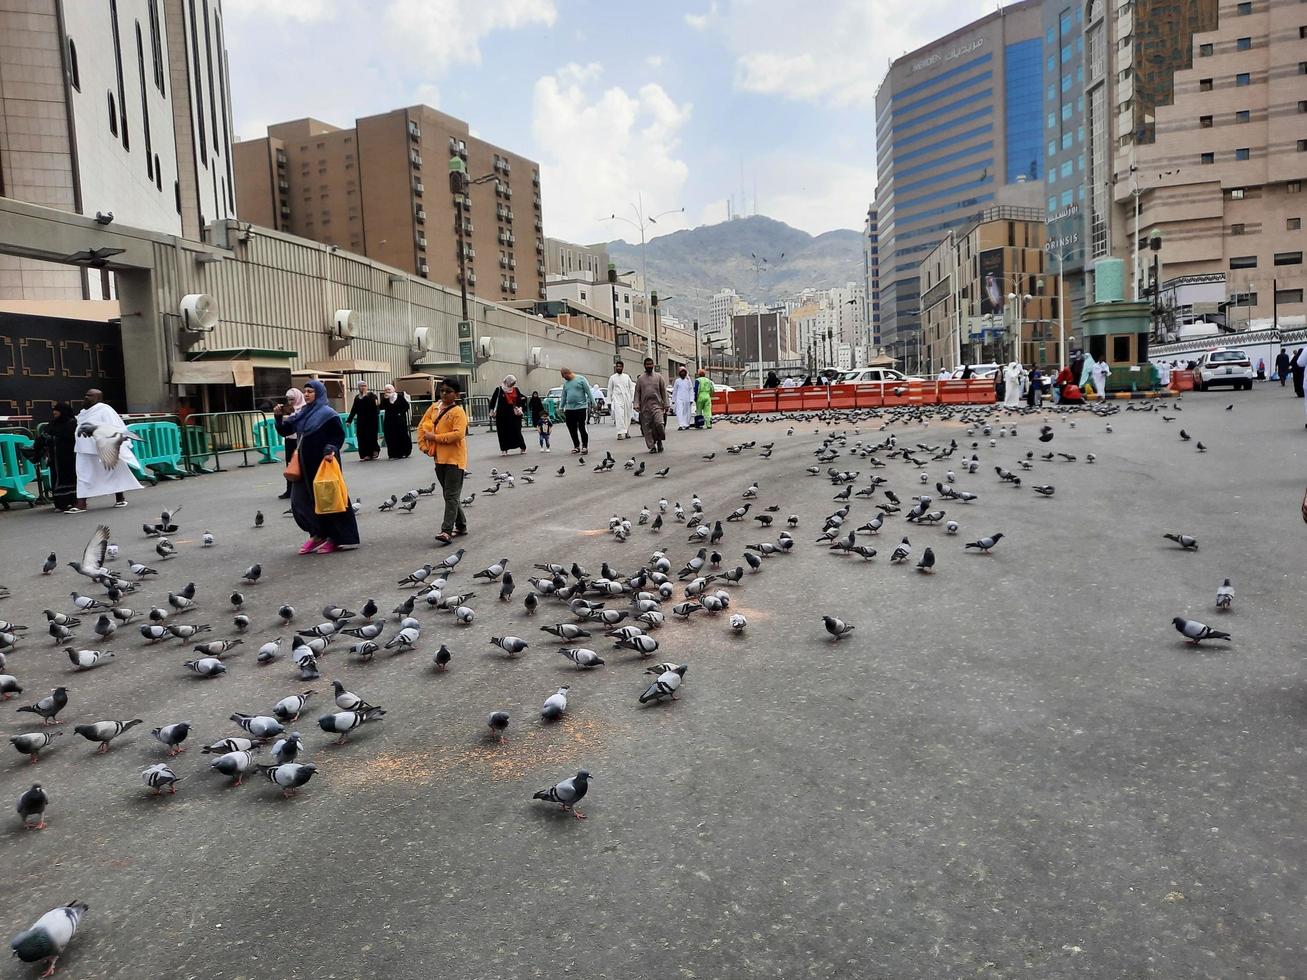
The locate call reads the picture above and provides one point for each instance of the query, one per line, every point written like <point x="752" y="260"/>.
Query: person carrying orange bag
<point x="321" y="435"/>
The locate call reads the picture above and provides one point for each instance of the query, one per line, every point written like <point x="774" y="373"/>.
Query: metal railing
<point x="215" y="434"/>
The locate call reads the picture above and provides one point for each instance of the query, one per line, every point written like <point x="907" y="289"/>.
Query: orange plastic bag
<point x="330" y="495"/>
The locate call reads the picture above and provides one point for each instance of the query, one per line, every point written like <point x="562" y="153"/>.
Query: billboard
<point x="993" y="292"/>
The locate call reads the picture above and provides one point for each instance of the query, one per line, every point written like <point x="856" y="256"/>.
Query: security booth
<point x="421" y="390"/>
<point x="233" y="380"/>
<point x="1118" y="330"/>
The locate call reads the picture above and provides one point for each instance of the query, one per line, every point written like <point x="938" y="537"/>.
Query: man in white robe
<point x="1101" y="372"/>
<point x="94" y="478"/>
<point x="683" y="400"/>
<point x="621" y="399"/>
<point x="1012" y="388"/>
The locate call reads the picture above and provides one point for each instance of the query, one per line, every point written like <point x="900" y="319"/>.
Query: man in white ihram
<point x="621" y="398"/>
<point x="683" y="399"/>
<point x="104" y="453"/>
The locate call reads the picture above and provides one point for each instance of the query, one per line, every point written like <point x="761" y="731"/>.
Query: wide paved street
<point x="1012" y="767"/>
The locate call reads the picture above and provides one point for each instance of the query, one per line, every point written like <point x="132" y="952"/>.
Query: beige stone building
<point x="381" y="189"/>
<point x="1223" y="183"/>
<point x="966" y="282"/>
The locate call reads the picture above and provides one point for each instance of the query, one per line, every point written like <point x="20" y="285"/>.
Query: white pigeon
<point x="108" y="441"/>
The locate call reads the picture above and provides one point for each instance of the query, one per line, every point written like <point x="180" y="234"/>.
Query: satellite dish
<point x="343" y="325"/>
<point x="199" y="312"/>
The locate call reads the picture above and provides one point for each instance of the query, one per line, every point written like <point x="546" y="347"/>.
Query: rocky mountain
<point x="691" y="265"/>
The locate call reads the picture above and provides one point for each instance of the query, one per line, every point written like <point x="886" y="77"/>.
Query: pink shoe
<point x="310" y="546"/>
<point x="326" y="548"/>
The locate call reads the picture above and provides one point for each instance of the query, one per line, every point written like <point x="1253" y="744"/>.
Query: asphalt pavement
<point x="1012" y="767"/>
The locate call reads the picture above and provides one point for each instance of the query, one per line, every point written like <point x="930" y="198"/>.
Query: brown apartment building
<point x="381" y="189"/>
<point x="1222" y="184"/>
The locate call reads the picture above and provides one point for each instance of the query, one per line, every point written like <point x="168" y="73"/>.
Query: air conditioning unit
<point x="199" y="313"/>
<point x="485" y="348"/>
<point x="342" y="329"/>
<point x="424" y="339"/>
<point x="539" y="358"/>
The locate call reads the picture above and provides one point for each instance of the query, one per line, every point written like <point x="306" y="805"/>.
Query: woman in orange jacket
<point x="442" y="435"/>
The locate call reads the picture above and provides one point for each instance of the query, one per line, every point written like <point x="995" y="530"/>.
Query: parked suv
<point x="1225" y="367"/>
<point x="868" y="375"/>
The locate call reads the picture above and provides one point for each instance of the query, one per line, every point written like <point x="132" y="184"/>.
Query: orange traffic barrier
<point x="843" y="396"/>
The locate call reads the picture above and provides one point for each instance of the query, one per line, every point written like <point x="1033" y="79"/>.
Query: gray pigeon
<point x="555" y="705"/>
<point x="290" y="776"/>
<point x="497" y="722"/>
<point x="511" y="645"/>
<point x="104" y="732"/>
<point x="234" y="764"/>
<point x="837" y="627"/>
<point x="1195" y="632"/>
<point x="32" y="804"/>
<point x="159" y="777"/>
<point x="581" y="657"/>
<point x="49" y="706"/>
<point x="665" y="686"/>
<point x="287" y="749"/>
<point x="1185" y="541"/>
<point x="568" y="793"/>
<point x="50" y="936"/>
<point x="1225" y="596"/>
<point x="31" y="743"/>
<point x="343" y="722"/>
<point x="173" y="736"/>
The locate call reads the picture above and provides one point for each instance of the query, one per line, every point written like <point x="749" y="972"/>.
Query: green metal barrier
<point x="16" y="470"/>
<point x="215" y="434"/>
<point x="268" y="441"/>
<point x="351" y="436"/>
<point x="160" y="449"/>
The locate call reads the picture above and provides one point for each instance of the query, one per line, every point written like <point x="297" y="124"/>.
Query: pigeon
<point x="160" y="777"/>
<point x="223" y="746"/>
<point x="492" y="572"/>
<point x="582" y="658"/>
<point x="837" y="627"/>
<point x="643" y="645"/>
<point x="985" y="544"/>
<point x="901" y="553"/>
<point x="289" y="708"/>
<point x="348" y="700"/>
<point x="234" y="764"/>
<point x="1185" y="541"/>
<point x="511" y="645"/>
<point x="260" y="726"/>
<point x="9" y="685"/>
<point x="86" y="659"/>
<point x="31" y="743"/>
<point x="287" y="748"/>
<point x="497" y="722"/>
<point x="464" y="615"/>
<point x="506" y="587"/>
<point x="568" y="793"/>
<point x="442" y="657"/>
<point x="51" y="563"/>
<point x="1195" y="632"/>
<point x="566" y="631"/>
<point x="32" y="804"/>
<point x="344" y="722"/>
<point x="258" y="518"/>
<point x="105" y="732"/>
<point x="555" y="705"/>
<point x="93" y="556"/>
<point x="1184" y="436"/>
<point x="206" y="539"/>
<point x="290" y="776"/>
<point x="286" y="613"/>
<point x="252" y="573"/>
<point x="269" y="651"/>
<point x="49" y="706"/>
<point x="50" y="935"/>
<point x="665" y="686"/>
<point x="1225" y="596"/>
<point x="405" y="639"/>
<point x="927" y="563"/>
<point x="738" y="623"/>
<point x="108" y="440"/>
<point x="1045" y="490"/>
<point x="173" y="736"/>
<point x="418" y="576"/>
<point x="530" y="602"/>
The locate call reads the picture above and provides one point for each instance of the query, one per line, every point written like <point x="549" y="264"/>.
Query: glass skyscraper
<point x="955" y="120"/>
<point x="1065" y="147"/>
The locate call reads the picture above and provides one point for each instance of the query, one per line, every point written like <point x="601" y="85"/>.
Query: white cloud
<point x="654" y="61"/>
<point x="601" y="148"/>
<point x="701" y="21"/>
<point x="839" y="57"/>
<point x="448" y="32"/>
<point x="823" y="194"/>
<point x="304" y="11"/>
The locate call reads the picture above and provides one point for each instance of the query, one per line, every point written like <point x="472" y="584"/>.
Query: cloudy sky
<point x="665" y="99"/>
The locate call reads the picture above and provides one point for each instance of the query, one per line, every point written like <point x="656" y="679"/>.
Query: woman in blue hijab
<point x="321" y="434"/>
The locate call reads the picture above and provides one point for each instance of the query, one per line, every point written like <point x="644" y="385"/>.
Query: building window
<point x="1302" y="68"/>
<point x="1237" y="228"/>
<point x="1242" y="79"/>
<point x="1204" y="50"/>
<point x="1293" y="187"/>
<point x="1288" y="258"/>
<point x="1242" y="116"/>
<point x="1207" y="158"/>
<point x="1243" y="262"/>
<point x="72" y="65"/>
<point x="1204" y="84"/>
<point x="1293" y="224"/>
<point x="1204" y="122"/>
<point x="1236" y="193"/>
<point x="113" y="116"/>
<point x="1243" y="44"/>
<point x="1302" y="105"/>
<point x="156" y="46"/>
<point x="1288" y="296"/>
<point x="1302" y="146"/>
<point x="1242" y="153"/>
<point x="1245" y="8"/>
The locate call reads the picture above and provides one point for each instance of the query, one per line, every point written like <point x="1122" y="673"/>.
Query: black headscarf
<point x="65" y="423"/>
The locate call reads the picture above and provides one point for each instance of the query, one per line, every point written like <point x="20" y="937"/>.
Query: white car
<point x="868" y="375"/>
<point x="1225" y="367"/>
<point x="978" y="371"/>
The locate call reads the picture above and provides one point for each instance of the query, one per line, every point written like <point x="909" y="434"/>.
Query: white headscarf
<point x="389" y="393"/>
<point x="509" y="382"/>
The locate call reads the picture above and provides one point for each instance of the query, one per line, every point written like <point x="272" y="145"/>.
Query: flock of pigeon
<point x="618" y="604"/>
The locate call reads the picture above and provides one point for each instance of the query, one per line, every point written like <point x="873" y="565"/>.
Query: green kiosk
<point x="1118" y="330"/>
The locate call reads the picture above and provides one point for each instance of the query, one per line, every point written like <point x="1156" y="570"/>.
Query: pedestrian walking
<point x="683" y="399"/>
<point x="294" y="403"/>
<point x="703" y="389"/>
<point x="365" y="413"/>
<point x="321" y="434"/>
<point x="1282" y="366"/>
<point x="95" y="476"/>
<point x="1035" y="394"/>
<point x="59" y="441"/>
<point x="394" y="425"/>
<point x="651" y="403"/>
<point x="1012" y="385"/>
<point x="442" y="435"/>
<point x="1101" y="373"/>
<point x="536" y="407"/>
<point x="506" y="403"/>
<point x="621" y="399"/>
<point x="577" y="400"/>
<point x="1297" y="368"/>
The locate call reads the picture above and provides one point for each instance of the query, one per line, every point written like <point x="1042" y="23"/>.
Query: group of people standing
<point x="387" y="416"/>
<point x="1014" y="385"/>
<point x="76" y="470"/>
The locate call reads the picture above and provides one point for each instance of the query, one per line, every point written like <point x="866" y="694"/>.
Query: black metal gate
<point x="46" y="359"/>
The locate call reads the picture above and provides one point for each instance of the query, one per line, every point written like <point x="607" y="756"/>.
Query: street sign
<point x="465" y="352"/>
<point x="464" y="329"/>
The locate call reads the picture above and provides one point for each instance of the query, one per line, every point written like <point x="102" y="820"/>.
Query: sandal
<point x="460" y="533"/>
<point x="443" y="538"/>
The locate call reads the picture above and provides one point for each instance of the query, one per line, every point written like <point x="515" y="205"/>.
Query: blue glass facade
<point x="1023" y="84"/>
<point x="1065" y="149"/>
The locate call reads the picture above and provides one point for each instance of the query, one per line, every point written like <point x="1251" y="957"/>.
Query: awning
<point x="238" y="373"/>
<point x="351" y="366"/>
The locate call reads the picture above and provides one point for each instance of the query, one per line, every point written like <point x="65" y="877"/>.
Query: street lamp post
<point x="459" y="185"/>
<point x="697" y="362"/>
<point x="653" y="301"/>
<point x="1021" y="300"/>
<point x="641" y="223"/>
